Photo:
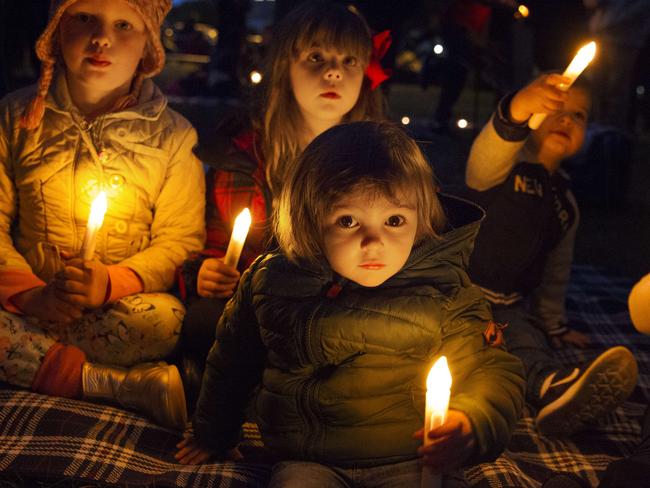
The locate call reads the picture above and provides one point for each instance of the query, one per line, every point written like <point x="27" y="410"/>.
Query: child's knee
<point x="153" y="319"/>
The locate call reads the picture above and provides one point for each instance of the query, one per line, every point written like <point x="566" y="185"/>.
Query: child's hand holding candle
<point x="448" y="447"/>
<point x="83" y="281"/>
<point x="448" y="438"/>
<point x="238" y="237"/>
<point x="437" y="403"/>
<point x="217" y="278"/>
<point x="571" y="73"/>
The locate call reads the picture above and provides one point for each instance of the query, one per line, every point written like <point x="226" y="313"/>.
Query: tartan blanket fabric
<point x="47" y="441"/>
<point x="597" y="305"/>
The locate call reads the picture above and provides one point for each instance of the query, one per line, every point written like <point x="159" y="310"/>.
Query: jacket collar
<point x="463" y="222"/>
<point x="151" y="102"/>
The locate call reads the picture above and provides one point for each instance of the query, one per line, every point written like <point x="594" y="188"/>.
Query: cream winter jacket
<point x="142" y="157"/>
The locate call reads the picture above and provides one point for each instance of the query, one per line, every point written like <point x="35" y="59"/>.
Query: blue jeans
<point x="528" y="342"/>
<point x="301" y="474"/>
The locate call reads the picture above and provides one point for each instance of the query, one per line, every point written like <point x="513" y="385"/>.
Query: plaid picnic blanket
<point x="48" y="441"/>
<point x="597" y="305"/>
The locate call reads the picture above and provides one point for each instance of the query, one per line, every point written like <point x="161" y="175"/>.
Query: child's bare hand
<point x="573" y="338"/>
<point x="82" y="283"/>
<point x="216" y="279"/>
<point x="190" y="452"/>
<point x="43" y="303"/>
<point x="451" y="444"/>
<point x="544" y="95"/>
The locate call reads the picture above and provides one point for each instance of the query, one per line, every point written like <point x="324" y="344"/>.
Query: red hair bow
<point x="375" y="72"/>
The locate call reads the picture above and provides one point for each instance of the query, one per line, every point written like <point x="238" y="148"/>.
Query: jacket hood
<point x="463" y="222"/>
<point x="432" y="259"/>
<point x="429" y="260"/>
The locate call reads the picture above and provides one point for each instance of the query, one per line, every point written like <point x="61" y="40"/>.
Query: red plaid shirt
<point x="230" y="189"/>
<point x="237" y="182"/>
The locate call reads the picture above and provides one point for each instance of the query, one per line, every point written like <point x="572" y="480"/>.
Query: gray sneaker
<point x="578" y="396"/>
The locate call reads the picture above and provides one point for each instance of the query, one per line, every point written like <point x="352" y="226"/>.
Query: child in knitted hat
<point x="71" y="325"/>
<point x="72" y="28"/>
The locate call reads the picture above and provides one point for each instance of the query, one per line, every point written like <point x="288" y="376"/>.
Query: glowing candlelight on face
<point x="238" y="237"/>
<point x="95" y="220"/>
<point x="580" y="61"/>
<point x="437" y="404"/>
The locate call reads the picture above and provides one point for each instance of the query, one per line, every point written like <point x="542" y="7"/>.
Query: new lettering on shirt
<point x="529" y="185"/>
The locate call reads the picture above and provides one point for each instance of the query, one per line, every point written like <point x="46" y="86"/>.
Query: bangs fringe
<point x="340" y="30"/>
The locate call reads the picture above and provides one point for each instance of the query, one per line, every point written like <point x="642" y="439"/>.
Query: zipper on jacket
<point x="306" y="403"/>
<point x="306" y="394"/>
<point x="310" y="356"/>
<point x="90" y="135"/>
<point x="73" y="196"/>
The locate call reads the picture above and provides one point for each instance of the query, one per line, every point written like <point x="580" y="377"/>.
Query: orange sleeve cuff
<point x="122" y="281"/>
<point x="15" y="281"/>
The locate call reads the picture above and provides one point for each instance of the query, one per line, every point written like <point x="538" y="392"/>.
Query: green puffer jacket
<point x="343" y="378"/>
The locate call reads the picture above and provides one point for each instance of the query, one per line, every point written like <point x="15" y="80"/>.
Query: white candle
<point x="580" y="61"/>
<point x="238" y="237"/>
<point x="437" y="404"/>
<point x="95" y="220"/>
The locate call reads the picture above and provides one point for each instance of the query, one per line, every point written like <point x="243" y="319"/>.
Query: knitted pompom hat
<point x="153" y="13"/>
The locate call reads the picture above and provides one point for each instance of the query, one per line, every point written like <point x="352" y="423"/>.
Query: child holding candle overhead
<point x="341" y="325"/>
<point x="95" y="122"/>
<point x="523" y="252"/>
<point x="321" y="70"/>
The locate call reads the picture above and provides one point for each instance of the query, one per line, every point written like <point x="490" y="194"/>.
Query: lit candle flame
<point x="238" y="237"/>
<point x="98" y="210"/>
<point x="438" y="387"/>
<point x="580" y="61"/>
<point x="523" y="11"/>
<point x="95" y="221"/>
<point x="437" y="404"/>
<point x="439" y="377"/>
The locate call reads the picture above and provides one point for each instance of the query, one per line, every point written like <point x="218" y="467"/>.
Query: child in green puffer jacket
<point x="341" y="325"/>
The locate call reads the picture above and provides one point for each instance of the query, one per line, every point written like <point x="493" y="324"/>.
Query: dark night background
<point x="214" y="46"/>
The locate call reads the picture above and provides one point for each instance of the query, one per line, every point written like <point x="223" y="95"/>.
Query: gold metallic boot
<point x="154" y="389"/>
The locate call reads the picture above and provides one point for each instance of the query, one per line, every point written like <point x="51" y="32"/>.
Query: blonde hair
<point x="313" y="22"/>
<point x="361" y="155"/>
